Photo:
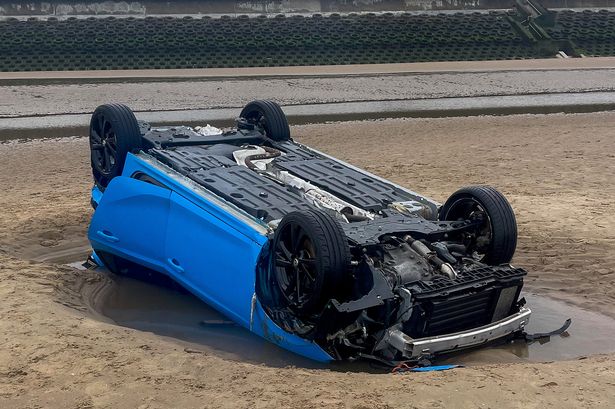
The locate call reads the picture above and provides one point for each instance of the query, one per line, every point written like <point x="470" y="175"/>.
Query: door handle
<point x="175" y="265"/>
<point x="107" y="235"/>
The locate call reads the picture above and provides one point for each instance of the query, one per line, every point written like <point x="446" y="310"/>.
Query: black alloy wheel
<point x="114" y="131"/>
<point x="310" y="258"/>
<point x="494" y="240"/>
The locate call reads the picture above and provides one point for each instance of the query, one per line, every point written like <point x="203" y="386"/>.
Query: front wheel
<point x="310" y="257"/>
<point x="494" y="240"/>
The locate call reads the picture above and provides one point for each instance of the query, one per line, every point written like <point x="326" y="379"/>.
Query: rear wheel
<point x="309" y="260"/>
<point x="268" y="117"/>
<point x="495" y="238"/>
<point x="114" y="131"/>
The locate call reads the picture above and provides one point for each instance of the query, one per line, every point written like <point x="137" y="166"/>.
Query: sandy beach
<point x="557" y="170"/>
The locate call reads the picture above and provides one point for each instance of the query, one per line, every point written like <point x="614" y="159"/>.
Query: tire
<point x="268" y="116"/>
<point x="114" y="131"/>
<point x="309" y="248"/>
<point x="500" y="220"/>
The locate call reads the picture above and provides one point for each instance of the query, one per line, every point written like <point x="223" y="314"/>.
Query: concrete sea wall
<point x="152" y="7"/>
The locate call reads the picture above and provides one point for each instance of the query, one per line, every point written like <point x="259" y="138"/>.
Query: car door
<point x="212" y="259"/>
<point x="130" y="221"/>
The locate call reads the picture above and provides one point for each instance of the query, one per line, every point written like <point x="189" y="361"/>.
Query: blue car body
<point x="181" y="231"/>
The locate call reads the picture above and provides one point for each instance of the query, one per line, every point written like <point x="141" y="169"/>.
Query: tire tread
<point x="277" y="123"/>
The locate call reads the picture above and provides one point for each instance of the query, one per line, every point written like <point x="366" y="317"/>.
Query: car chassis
<point x="318" y="256"/>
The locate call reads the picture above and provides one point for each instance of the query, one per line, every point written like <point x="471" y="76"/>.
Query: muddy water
<point x="178" y="314"/>
<point x="590" y="333"/>
<point x="164" y="308"/>
<point x="171" y="312"/>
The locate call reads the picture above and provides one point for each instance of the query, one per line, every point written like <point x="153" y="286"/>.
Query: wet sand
<point x="557" y="170"/>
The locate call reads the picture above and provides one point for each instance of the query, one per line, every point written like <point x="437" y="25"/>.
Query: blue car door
<point x="212" y="259"/>
<point x="131" y="221"/>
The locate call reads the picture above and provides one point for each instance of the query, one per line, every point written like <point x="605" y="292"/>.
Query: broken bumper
<point x="415" y="348"/>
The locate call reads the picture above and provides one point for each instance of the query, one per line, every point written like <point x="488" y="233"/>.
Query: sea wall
<point x="150" y="7"/>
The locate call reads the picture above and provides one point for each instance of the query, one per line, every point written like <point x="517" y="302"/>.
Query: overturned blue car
<point x="311" y="253"/>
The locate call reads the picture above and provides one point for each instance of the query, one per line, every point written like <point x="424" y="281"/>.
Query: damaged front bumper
<point x="413" y="349"/>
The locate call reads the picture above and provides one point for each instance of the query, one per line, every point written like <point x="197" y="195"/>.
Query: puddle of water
<point x="164" y="308"/>
<point x="178" y="314"/>
<point x="590" y="333"/>
<point x="167" y="311"/>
